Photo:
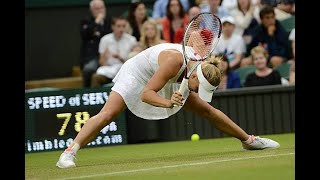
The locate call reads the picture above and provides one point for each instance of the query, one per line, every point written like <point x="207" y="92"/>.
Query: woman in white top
<point x="244" y="18"/>
<point x="144" y="85"/>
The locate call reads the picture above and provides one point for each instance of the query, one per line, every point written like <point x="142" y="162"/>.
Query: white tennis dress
<point x="134" y="75"/>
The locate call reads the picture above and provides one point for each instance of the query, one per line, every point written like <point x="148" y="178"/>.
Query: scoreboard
<point x="53" y="119"/>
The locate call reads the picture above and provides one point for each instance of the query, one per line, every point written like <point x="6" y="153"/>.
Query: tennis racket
<point x="200" y="38"/>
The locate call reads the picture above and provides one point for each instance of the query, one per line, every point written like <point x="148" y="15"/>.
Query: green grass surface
<point x="220" y="158"/>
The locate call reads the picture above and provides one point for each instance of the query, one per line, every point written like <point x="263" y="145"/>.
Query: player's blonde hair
<point x="211" y="69"/>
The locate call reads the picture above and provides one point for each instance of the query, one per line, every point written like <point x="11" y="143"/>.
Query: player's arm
<point x="170" y="62"/>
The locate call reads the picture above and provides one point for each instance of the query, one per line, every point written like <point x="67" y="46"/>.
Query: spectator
<point x="114" y="49"/>
<point x="292" y="74"/>
<point x="271" y="35"/>
<point x="174" y="23"/>
<point x="229" y="79"/>
<point x="244" y="19"/>
<point x="137" y="15"/>
<point x="263" y="75"/>
<point x="260" y="4"/>
<point x="284" y="9"/>
<point x="91" y="30"/>
<point x="201" y="3"/>
<point x="230" y="44"/>
<point x="136" y="49"/>
<point x="160" y="9"/>
<point x="215" y="8"/>
<point x="233" y="4"/>
<point x="292" y="38"/>
<point x="150" y="35"/>
<point x="229" y="4"/>
<point x="193" y="11"/>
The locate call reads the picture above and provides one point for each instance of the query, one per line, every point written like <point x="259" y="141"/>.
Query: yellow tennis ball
<point x="195" y="137"/>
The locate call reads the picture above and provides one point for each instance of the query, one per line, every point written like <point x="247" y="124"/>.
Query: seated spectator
<point x="229" y="79"/>
<point x="245" y="21"/>
<point x="260" y="4"/>
<point x="160" y="9"/>
<point x="292" y="74"/>
<point x="230" y="44"/>
<point x="114" y="49"/>
<point x="150" y="35"/>
<point x="229" y="4"/>
<point x="272" y="36"/>
<point x="284" y="9"/>
<point x="201" y="3"/>
<point x="263" y="75"/>
<point x="174" y="23"/>
<point x="215" y="8"/>
<point x="135" y="50"/>
<point x="92" y="29"/>
<point x="292" y="37"/>
<point x="193" y="11"/>
<point x="137" y="15"/>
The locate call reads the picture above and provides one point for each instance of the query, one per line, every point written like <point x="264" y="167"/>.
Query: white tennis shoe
<point x="258" y="143"/>
<point x="67" y="159"/>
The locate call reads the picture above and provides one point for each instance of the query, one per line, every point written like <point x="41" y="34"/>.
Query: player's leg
<point x="111" y="109"/>
<point x="223" y="123"/>
<point x="89" y="131"/>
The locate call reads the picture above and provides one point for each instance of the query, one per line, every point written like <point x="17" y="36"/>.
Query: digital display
<point x="53" y="119"/>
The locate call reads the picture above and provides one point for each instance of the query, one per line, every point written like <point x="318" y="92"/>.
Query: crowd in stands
<point x="257" y="42"/>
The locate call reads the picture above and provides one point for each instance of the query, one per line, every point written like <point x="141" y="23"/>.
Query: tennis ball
<point x="195" y="137"/>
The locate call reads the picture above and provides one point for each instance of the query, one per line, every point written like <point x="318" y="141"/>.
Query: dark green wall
<point x="52" y="37"/>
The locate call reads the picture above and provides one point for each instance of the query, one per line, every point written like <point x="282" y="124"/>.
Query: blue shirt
<point x="222" y="12"/>
<point x="160" y="8"/>
<point x="233" y="80"/>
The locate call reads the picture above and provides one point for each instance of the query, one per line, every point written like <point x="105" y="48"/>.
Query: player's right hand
<point x="176" y="99"/>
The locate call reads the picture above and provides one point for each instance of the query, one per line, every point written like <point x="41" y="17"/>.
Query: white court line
<point x="175" y="166"/>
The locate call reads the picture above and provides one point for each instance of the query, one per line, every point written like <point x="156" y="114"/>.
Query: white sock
<point x="75" y="147"/>
<point x="249" y="140"/>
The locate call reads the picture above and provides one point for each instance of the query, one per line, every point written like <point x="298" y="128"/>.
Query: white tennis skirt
<point x="130" y="88"/>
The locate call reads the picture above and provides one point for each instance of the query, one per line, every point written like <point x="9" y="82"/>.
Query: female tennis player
<point x="144" y="85"/>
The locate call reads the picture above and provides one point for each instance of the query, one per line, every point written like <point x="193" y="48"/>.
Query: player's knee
<point x="207" y="112"/>
<point x="107" y="116"/>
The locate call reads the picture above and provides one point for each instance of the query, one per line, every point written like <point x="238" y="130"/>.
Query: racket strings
<point x="201" y="36"/>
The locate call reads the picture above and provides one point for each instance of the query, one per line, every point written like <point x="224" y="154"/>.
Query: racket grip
<point x="184" y="89"/>
<point x="184" y="86"/>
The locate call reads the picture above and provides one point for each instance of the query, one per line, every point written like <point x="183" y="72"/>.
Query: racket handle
<point x="184" y="89"/>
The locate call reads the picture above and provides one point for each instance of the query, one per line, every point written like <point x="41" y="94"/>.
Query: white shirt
<point x="292" y="35"/>
<point x="122" y="47"/>
<point x="241" y="21"/>
<point x="230" y="47"/>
